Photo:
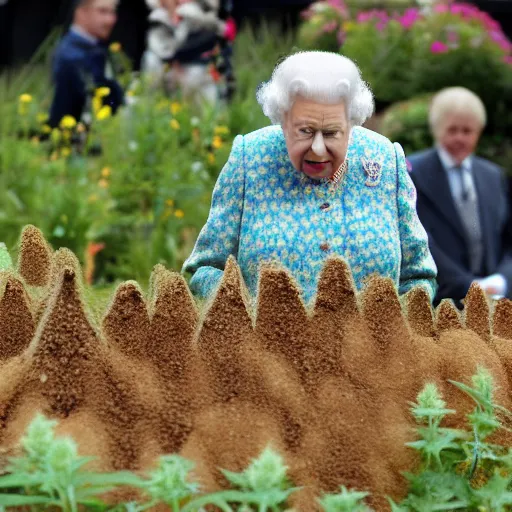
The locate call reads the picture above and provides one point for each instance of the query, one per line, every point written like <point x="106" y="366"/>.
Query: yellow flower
<point x="101" y="92"/>
<point x="35" y="141"/>
<point x="80" y="128"/>
<point x="46" y="128"/>
<point x="174" y="124"/>
<point x="25" y="98"/>
<point x="221" y="130"/>
<point x="130" y="94"/>
<point x="211" y="158"/>
<point x="169" y="202"/>
<point x="105" y="172"/>
<point x="65" y="152"/>
<point x="115" y="47"/>
<point x="179" y="214"/>
<point x="93" y="198"/>
<point x="68" y="122"/>
<point x="42" y="117"/>
<point x="216" y="142"/>
<point x="54" y="156"/>
<point x="347" y="26"/>
<point x="175" y="108"/>
<point x="104" y="113"/>
<point x="103" y="183"/>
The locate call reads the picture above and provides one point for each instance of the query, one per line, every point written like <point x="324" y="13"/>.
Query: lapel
<point x="485" y="190"/>
<point x="435" y="185"/>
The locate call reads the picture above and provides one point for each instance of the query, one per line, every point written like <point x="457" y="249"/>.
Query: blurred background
<point x="136" y="188"/>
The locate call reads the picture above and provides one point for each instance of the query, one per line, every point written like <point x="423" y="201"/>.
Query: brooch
<point x="373" y="171"/>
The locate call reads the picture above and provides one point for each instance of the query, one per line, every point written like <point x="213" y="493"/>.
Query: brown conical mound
<point x="477" y="312"/>
<point x="447" y="317"/>
<point x="126" y="324"/>
<point x="502" y="319"/>
<point x="64" y="347"/>
<point x="16" y="321"/>
<point x="35" y="256"/>
<point x="330" y="389"/>
<point x="282" y="323"/>
<point x="419" y="312"/>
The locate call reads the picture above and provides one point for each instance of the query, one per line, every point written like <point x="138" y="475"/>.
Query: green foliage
<point x="460" y="470"/>
<point x="407" y="122"/>
<point x="143" y="198"/>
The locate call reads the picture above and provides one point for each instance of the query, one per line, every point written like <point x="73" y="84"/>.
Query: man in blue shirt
<point x="81" y="61"/>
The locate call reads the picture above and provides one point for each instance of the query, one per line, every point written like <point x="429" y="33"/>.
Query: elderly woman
<point x="314" y="185"/>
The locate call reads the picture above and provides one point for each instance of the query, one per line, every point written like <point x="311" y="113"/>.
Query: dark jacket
<point x="79" y="68"/>
<point x="439" y="215"/>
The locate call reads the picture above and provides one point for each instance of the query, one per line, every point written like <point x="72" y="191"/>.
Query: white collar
<point x="77" y="29"/>
<point x="448" y="161"/>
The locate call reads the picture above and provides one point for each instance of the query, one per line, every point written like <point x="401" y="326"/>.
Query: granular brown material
<point x="330" y="387"/>
<point x="63" y="347"/>
<point x="502" y="319"/>
<point x="476" y="312"/>
<point x="126" y="324"/>
<point x="15" y="318"/>
<point x="447" y="317"/>
<point x="419" y="312"/>
<point x="35" y="255"/>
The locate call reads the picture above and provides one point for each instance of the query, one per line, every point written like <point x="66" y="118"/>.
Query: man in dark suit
<point x="81" y="61"/>
<point x="462" y="201"/>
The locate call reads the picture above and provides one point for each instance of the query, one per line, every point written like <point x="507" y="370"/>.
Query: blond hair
<point x="456" y="100"/>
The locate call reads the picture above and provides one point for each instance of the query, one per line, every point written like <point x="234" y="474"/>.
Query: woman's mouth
<point x="314" y="167"/>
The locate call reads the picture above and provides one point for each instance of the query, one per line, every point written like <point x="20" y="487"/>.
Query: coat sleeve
<point x="70" y="93"/>
<point x="219" y="237"/>
<point x="417" y="266"/>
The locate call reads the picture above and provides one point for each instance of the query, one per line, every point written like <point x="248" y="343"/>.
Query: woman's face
<point x="316" y="136"/>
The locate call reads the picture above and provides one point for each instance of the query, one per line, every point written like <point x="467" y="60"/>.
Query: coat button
<point x="324" y="206"/>
<point x="325" y="246"/>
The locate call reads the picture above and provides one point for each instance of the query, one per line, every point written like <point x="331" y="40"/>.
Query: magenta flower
<point x="330" y="26"/>
<point x="409" y="18"/>
<point x="508" y="59"/>
<point x="438" y="47"/>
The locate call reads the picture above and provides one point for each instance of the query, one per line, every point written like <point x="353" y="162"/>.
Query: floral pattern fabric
<point x="264" y="210"/>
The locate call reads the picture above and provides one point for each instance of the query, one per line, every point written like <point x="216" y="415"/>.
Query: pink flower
<point x="339" y="5"/>
<point x="441" y="8"/>
<point x="409" y="18"/>
<point x="330" y="26"/>
<point x="438" y="47"/>
<point x="508" y="60"/>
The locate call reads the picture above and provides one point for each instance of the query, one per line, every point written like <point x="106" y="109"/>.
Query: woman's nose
<point x="318" y="145"/>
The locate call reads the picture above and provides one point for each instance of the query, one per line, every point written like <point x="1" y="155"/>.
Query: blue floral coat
<point x="264" y="210"/>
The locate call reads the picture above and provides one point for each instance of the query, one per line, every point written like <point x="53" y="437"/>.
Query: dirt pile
<point x="329" y="387"/>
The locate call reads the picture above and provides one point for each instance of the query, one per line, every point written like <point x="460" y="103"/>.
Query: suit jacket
<point x="265" y="211"/>
<point x="79" y="65"/>
<point x="439" y="215"/>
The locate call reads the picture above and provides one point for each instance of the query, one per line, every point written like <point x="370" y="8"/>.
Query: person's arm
<point x="70" y="94"/>
<point x="417" y="267"/>
<point x="219" y="237"/>
<point x="195" y="45"/>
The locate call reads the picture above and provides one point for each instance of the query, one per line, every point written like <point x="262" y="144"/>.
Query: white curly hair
<point x="319" y="76"/>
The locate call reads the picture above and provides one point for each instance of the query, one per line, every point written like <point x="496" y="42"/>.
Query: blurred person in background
<point x="81" y="62"/>
<point x="463" y="201"/>
<point x="184" y="39"/>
